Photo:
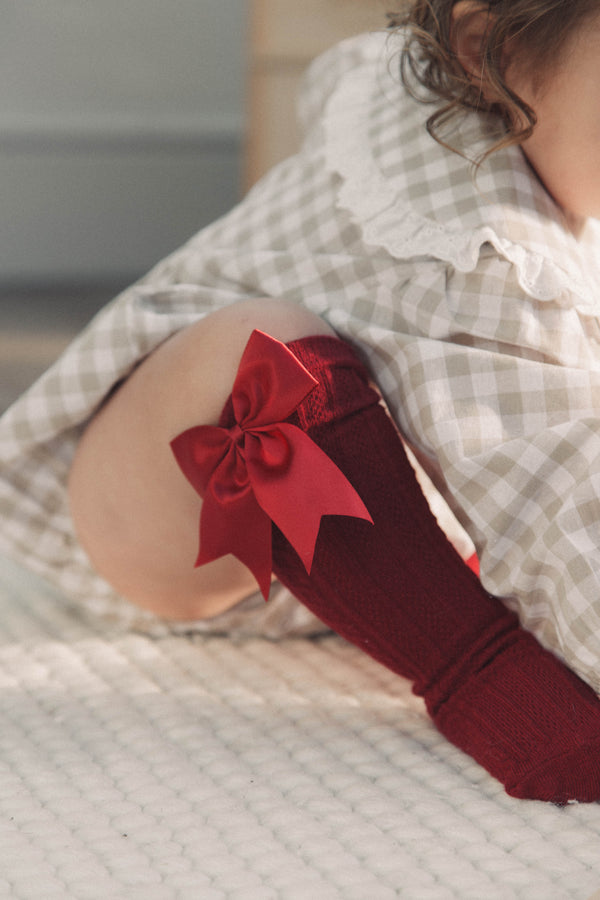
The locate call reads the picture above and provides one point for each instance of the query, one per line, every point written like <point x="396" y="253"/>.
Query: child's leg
<point x="134" y="514"/>
<point x="395" y="588"/>
<point x="398" y="590"/>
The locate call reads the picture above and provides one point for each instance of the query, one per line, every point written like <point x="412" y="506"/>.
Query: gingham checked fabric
<point x="471" y="298"/>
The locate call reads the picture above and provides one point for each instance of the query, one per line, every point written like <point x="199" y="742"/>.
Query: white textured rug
<point x="178" y="767"/>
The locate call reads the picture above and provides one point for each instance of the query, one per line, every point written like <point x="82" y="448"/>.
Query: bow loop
<point x="263" y="469"/>
<point x="270" y="383"/>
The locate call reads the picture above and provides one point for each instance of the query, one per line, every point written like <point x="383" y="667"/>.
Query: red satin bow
<point x="263" y="469"/>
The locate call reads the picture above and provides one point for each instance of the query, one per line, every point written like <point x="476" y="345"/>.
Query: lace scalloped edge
<point x="387" y="223"/>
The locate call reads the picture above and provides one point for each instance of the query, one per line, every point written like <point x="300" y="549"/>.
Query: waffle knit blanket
<point x="195" y="766"/>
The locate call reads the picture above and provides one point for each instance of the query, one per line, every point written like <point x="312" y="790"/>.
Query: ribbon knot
<point x="237" y="433"/>
<point x="263" y="469"/>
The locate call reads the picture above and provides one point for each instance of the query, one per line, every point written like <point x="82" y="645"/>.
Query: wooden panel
<point x="300" y="29"/>
<point x="272" y="131"/>
<point x="285" y="36"/>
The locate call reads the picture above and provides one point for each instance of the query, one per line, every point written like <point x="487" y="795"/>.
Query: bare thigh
<point x="134" y="512"/>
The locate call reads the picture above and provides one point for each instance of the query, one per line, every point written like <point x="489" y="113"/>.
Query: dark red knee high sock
<point x="396" y="588"/>
<point x="399" y="590"/>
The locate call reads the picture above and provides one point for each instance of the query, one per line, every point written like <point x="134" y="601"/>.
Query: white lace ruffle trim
<point x="386" y="221"/>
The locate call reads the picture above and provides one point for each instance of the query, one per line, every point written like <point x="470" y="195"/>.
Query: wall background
<point x="121" y="128"/>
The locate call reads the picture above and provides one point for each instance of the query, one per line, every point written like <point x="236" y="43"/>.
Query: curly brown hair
<point x="540" y="30"/>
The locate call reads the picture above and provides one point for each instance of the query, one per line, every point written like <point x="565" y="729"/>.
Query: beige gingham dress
<point x="474" y="304"/>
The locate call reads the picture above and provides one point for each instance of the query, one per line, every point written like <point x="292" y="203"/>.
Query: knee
<point x="205" y="356"/>
<point x="281" y="319"/>
<point x="134" y="513"/>
<point x="226" y="332"/>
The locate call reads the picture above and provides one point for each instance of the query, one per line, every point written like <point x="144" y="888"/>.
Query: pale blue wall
<point x="121" y="125"/>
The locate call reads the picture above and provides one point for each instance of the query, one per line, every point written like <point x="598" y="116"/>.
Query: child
<point x="469" y="292"/>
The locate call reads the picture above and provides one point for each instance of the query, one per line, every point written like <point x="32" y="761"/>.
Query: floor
<point x="194" y="767"/>
<point x="35" y="326"/>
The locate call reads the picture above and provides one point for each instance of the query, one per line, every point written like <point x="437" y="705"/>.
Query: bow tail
<point x="309" y="487"/>
<point x="240" y="527"/>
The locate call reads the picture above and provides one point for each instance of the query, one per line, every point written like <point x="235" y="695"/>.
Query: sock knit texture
<point x="399" y="590"/>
